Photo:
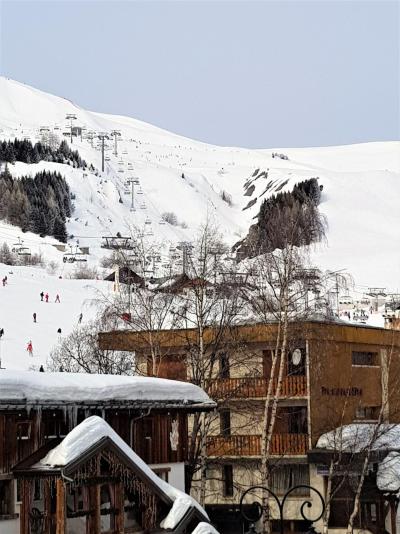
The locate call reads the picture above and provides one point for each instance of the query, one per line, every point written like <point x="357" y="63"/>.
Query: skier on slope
<point x="80" y="318"/>
<point x="46" y="297"/>
<point x="41" y="296"/>
<point x="1" y="332"/>
<point x="57" y="298"/>
<point x="34" y="317"/>
<point x="29" y="348"/>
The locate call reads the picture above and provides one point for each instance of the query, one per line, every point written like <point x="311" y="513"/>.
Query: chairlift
<point x="24" y="251"/>
<point x="125" y="152"/>
<point x="121" y="170"/>
<point x="133" y="210"/>
<point x="140" y="192"/>
<point x="142" y="206"/>
<point x="162" y="221"/>
<point x="147" y="221"/>
<point x="107" y="158"/>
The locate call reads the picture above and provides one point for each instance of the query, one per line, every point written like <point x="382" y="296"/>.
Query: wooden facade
<point x="101" y="490"/>
<point x="347" y="374"/>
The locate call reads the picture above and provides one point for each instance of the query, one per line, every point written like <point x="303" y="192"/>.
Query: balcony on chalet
<point x="257" y="387"/>
<point x="250" y="445"/>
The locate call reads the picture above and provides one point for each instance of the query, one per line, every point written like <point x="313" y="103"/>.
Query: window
<point x="364" y="358"/>
<point x="24" y="430"/>
<point x="228" y="480"/>
<point x="6" y="507"/>
<point x="224" y="367"/>
<point x="225" y="422"/>
<point x="284" y="477"/>
<point x="297" y="420"/>
<point x="162" y="472"/>
<point x="367" y="412"/>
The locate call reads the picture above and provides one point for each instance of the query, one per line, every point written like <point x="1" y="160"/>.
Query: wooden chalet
<point x="93" y="482"/>
<point x="149" y="414"/>
<point x="126" y="276"/>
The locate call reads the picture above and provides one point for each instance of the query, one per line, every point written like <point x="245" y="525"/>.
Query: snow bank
<point x="32" y="387"/>
<point x="93" y="429"/>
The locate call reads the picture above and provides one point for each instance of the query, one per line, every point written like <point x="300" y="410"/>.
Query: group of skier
<point x="46" y="297"/>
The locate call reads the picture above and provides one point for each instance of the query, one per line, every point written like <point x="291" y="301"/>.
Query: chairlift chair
<point x="24" y="251"/>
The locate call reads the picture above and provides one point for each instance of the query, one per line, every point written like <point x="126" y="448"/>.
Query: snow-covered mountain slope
<point x="20" y="298"/>
<point x="361" y="185"/>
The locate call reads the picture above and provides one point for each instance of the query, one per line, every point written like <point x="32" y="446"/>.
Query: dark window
<point x="364" y="358"/>
<point x="6" y="497"/>
<point x="24" y="430"/>
<point x="367" y="412"/>
<point x="224" y="368"/>
<point x="297" y="420"/>
<point x="228" y="480"/>
<point x="225" y="422"/>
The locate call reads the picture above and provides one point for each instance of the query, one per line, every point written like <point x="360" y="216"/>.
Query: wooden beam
<point x="46" y="506"/>
<point x="60" y="507"/>
<point x="25" y="506"/>
<point x="94" y="524"/>
<point x="119" y="499"/>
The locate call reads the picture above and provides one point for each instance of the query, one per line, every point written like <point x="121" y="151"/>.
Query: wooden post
<point x="393" y="515"/>
<point x="46" y="506"/>
<point x="60" y="507"/>
<point x="94" y="524"/>
<point x="25" y="506"/>
<point x="119" y="500"/>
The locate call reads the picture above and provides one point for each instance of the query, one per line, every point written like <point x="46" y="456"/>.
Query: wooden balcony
<point x="239" y="445"/>
<point x="244" y="388"/>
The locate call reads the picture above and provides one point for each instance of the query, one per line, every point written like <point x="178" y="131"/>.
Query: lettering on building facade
<point x="342" y="392"/>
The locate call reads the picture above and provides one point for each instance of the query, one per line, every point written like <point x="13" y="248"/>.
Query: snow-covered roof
<point x="357" y="436"/>
<point x="30" y="387"/>
<point x="204" y="528"/>
<point x="91" y="431"/>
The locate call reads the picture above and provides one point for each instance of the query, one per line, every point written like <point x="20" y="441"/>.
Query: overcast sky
<point x="244" y="73"/>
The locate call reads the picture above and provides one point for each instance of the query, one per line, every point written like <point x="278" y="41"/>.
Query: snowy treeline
<point x="40" y="204"/>
<point x="23" y="150"/>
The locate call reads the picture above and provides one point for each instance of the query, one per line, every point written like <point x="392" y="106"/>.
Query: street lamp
<point x="257" y="510"/>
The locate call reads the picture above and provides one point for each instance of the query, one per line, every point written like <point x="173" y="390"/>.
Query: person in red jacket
<point x="29" y="348"/>
<point x="46" y="297"/>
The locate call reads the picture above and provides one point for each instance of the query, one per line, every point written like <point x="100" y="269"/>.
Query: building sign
<point x="342" y="392"/>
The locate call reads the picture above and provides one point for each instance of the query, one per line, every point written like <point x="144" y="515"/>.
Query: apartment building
<point x="334" y="374"/>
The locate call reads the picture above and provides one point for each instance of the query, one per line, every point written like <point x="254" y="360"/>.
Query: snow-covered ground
<point x="361" y="188"/>
<point x="20" y="298"/>
<point x="360" y="196"/>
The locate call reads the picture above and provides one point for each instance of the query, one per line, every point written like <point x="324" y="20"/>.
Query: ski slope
<point x="20" y="298"/>
<point x="361" y="185"/>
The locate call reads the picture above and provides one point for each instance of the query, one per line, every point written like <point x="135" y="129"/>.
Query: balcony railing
<point x="222" y="388"/>
<point x="250" y="445"/>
